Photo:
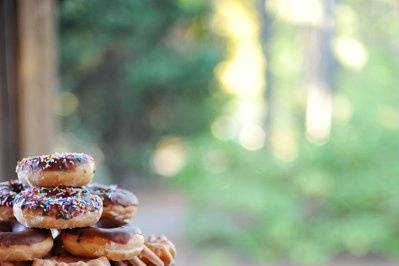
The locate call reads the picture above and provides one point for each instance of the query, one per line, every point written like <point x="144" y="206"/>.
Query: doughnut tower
<point x="53" y="215"/>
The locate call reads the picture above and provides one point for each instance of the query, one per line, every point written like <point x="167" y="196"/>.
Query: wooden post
<point x="9" y="144"/>
<point x="37" y="75"/>
<point x="28" y="71"/>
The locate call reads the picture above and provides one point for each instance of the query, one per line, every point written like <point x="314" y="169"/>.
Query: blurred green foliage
<point x="140" y="70"/>
<point x="335" y="198"/>
<point x="341" y="197"/>
<point x="144" y="69"/>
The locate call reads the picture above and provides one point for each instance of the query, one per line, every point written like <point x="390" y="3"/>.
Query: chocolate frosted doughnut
<point x="15" y="263"/>
<point x="120" y="243"/>
<point x="119" y="205"/>
<point x="58" y="169"/>
<point x="8" y="191"/>
<point x="18" y="243"/>
<point x="58" y="207"/>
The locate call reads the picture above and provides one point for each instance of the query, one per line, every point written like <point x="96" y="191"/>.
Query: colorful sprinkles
<point x="63" y="202"/>
<point x="8" y="191"/>
<point x="56" y="161"/>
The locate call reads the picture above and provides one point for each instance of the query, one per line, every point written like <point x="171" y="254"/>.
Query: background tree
<point x="141" y="70"/>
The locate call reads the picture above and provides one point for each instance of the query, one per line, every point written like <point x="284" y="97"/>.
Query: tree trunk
<point x="320" y="76"/>
<point x="266" y="31"/>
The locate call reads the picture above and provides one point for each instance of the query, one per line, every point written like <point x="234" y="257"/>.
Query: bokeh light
<point x="242" y="72"/>
<point x="169" y="157"/>
<point x="252" y="137"/>
<point x="67" y="104"/>
<point x="306" y="12"/>
<point x="351" y="52"/>
<point x="318" y="115"/>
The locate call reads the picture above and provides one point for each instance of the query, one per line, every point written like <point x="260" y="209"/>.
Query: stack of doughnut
<point x="52" y="216"/>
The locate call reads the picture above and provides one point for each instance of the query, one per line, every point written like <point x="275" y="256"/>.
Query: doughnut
<point x="15" y="263"/>
<point x="146" y="257"/>
<point x="163" y="249"/>
<point x="118" y="243"/>
<point x="133" y="262"/>
<point x="57" y="207"/>
<point x="58" y="169"/>
<point x="119" y="205"/>
<point x="158" y="251"/>
<point x="8" y="191"/>
<point x="18" y="243"/>
<point x="71" y="261"/>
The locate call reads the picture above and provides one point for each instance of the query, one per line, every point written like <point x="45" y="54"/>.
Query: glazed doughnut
<point x="57" y="207"/>
<point x="146" y="257"/>
<point x="71" y="261"/>
<point x="158" y="251"/>
<point x="133" y="262"/>
<point x="162" y="248"/>
<point x="18" y="243"/>
<point x="8" y="191"/>
<point x="119" y="243"/>
<point x="58" y="169"/>
<point x="119" y="205"/>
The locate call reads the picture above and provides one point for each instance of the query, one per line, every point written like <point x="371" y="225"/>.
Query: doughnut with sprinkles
<point x="58" y="169"/>
<point x="8" y="191"/>
<point x="57" y="207"/>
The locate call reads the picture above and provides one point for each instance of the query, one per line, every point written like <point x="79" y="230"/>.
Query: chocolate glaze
<point x="17" y="234"/>
<point x="53" y="162"/>
<point x="113" y="195"/>
<point x="124" y="197"/>
<point x="120" y="235"/>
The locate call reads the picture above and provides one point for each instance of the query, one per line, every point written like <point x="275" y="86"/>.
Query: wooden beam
<point x="37" y="75"/>
<point x="9" y="144"/>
